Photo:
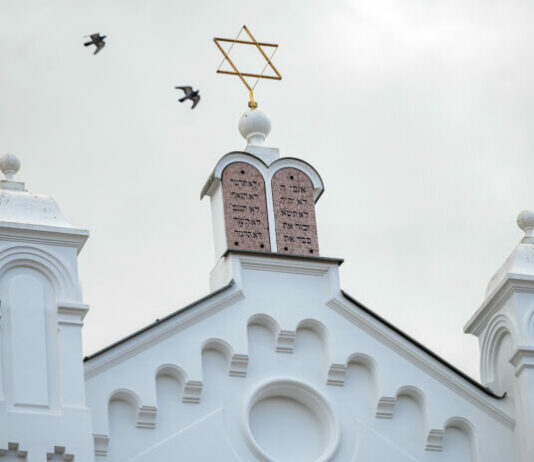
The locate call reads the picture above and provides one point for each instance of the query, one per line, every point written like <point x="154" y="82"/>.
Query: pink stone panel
<point x="245" y="208"/>
<point x="294" y="213"/>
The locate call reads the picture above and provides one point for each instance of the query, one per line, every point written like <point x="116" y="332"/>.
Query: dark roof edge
<point x="419" y="345"/>
<point x="159" y="321"/>
<point x="259" y="253"/>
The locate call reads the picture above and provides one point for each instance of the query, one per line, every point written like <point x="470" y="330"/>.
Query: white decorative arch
<point x="125" y="394"/>
<point x="316" y="326"/>
<point x="146" y="415"/>
<point x="171" y="370"/>
<point x="528" y="326"/>
<point x="237" y="363"/>
<point x="413" y="392"/>
<point x="67" y="288"/>
<point x="264" y="320"/>
<point x="468" y="428"/>
<point x="498" y="327"/>
<point x="365" y="360"/>
<point x="220" y="345"/>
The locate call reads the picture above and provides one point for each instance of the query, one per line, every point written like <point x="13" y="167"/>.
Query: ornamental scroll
<point x="245" y="208"/>
<point x="294" y="212"/>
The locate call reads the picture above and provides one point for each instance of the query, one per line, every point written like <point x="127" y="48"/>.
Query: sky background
<point x="418" y="114"/>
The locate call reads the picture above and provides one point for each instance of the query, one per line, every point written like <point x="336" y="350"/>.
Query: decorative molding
<point x="13" y="450"/>
<point x="385" y="407"/>
<point x="59" y="454"/>
<point x="499" y="326"/>
<point x="101" y="444"/>
<point x="523" y="358"/>
<point x="71" y="314"/>
<point x="53" y="235"/>
<point x="285" y="341"/>
<point x="158" y="334"/>
<point x="146" y="417"/>
<point x="302" y="392"/>
<point x="47" y="263"/>
<point x="513" y="283"/>
<point x="192" y="391"/>
<point x="421" y="361"/>
<point x="285" y="265"/>
<point x="336" y="375"/>
<point x="434" y="440"/>
<point x="238" y="365"/>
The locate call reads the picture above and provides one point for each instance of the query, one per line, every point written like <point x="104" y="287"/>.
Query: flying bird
<point x="98" y="40"/>
<point x="189" y="94"/>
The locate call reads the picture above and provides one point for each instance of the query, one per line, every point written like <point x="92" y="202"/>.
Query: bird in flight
<point x="189" y="94"/>
<point x="98" y="40"/>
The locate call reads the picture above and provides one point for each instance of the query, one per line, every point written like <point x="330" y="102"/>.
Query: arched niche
<point x="30" y="356"/>
<point x="245" y="208"/>
<point x="459" y="440"/>
<point x="294" y="212"/>
<point x="123" y="407"/>
<point x="170" y="382"/>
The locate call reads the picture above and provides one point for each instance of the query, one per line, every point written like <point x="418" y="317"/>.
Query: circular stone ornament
<point x="285" y="420"/>
<point x="254" y="126"/>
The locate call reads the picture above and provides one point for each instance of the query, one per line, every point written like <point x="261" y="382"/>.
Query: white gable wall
<point x="278" y="356"/>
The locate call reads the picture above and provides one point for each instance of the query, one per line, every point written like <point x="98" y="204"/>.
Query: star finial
<point x="242" y="75"/>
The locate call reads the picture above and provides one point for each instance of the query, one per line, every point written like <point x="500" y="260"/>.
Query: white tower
<point x="43" y="414"/>
<point x="504" y="325"/>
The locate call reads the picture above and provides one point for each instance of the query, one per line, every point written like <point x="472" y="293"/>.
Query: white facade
<point x="276" y="364"/>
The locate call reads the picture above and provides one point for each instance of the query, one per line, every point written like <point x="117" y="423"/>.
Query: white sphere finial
<point x="10" y="165"/>
<point x="254" y="126"/>
<point x="525" y="220"/>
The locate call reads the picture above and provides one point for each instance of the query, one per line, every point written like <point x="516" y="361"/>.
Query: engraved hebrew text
<point x="245" y="208"/>
<point x="294" y="211"/>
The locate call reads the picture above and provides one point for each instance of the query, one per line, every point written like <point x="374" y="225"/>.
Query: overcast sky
<point x="418" y="114"/>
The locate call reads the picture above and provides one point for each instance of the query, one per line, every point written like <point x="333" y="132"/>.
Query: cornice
<point x="41" y="234"/>
<point x="284" y="263"/>
<point x="424" y="362"/>
<point x="494" y="301"/>
<point x="160" y="330"/>
<point x="523" y="358"/>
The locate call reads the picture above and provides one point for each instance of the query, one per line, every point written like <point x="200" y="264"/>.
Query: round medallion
<point x="289" y="421"/>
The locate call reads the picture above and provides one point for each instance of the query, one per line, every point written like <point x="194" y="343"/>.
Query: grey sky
<point x="418" y="115"/>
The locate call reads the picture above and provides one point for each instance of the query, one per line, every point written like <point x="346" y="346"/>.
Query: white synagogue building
<point x="276" y="363"/>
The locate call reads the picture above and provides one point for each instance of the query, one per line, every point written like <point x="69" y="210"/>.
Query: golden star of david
<point x="252" y="104"/>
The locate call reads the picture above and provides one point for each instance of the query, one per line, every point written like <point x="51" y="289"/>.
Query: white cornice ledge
<point x="523" y="358"/>
<point x="71" y="313"/>
<point x="42" y="234"/>
<point x="494" y="301"/>
<point x="422" y="361"/>
<point x="285" y="265"/>
<point x="158" y="333"/>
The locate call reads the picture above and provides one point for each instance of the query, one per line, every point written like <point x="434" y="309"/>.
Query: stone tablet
<point x="294" y="213"/>
<point x="245" y="208"/>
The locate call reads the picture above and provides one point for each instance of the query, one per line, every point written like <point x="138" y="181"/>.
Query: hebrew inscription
<point x="294" y="213"/>
<point x="245" y="208"/>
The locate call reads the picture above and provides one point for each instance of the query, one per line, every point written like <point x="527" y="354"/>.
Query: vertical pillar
<point x="70" y="317"/>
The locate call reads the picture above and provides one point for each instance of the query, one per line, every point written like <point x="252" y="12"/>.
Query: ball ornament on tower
<point x="254" y="126"/>
<point x="525" y="220"/>
<point x="10" y="165"/>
